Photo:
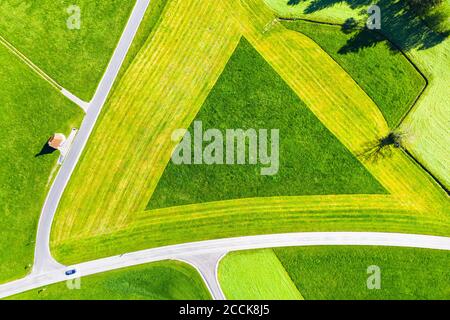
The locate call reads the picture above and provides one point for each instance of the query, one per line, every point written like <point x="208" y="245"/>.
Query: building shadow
<point x="46" y="149"/>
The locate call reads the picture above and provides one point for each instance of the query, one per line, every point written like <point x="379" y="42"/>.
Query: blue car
<point x="70" y="272"/>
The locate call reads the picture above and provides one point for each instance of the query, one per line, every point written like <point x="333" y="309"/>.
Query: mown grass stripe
<point x="418" y="205"/>
<point x="161" y="91"/>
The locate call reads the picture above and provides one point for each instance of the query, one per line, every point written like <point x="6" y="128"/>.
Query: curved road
<point x="43" y="261"/>
<point x="204" y="255"/>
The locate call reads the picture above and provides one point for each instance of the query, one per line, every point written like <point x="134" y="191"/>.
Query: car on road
<point x="70" y="272"/>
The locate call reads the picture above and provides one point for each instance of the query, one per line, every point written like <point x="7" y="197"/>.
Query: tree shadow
<point x="382" y="148"/>
<point x="350" y="25"/>
<point x="317" y="5"/>
<point x="365" y="38"/>
<point x="46" y="149"/>
<point x="437" y="21"/>
<point x="398" y="24"/>
<point x="374" y="152"/>
<point x="293" y="2"/>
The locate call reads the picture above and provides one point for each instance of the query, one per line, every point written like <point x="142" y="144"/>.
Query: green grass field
<point x="439" y="18"/>
<point x="148" y="26"/>
<point x="76" y="59"/>
<point x="255" y="275"/>
<point x="31" y="110"/>
<point x="164" y="89"/>
<point x="182" y="67"/>
<point x="158" y="94"/>
<point x="426" y="125"/>
<point x="165" y="280"/>
<point x="381" y="70"/>
<point x="250" y="94"/>
<point x="341" y="272"/>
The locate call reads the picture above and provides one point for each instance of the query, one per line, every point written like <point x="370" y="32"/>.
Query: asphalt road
<point x="205" y="255"/>
<point x="43" y="261"/>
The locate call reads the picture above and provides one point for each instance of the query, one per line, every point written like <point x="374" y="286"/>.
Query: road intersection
<point x="205" y="255"/>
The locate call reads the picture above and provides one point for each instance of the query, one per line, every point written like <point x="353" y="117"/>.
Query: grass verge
<point x="31" y="110"/>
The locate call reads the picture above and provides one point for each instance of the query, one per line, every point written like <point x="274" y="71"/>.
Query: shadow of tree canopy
<point x="365" y="38"/>
<point x="293" y="2"/>
<point x="382" y="148"/>
<point x="317" y="5"/>
<point x="437" y="21"/>
<point x="350" y="25"/>
<point x="397" y="23"/>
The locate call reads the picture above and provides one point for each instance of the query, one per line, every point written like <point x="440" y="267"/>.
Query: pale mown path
<point x="82" y="104"/>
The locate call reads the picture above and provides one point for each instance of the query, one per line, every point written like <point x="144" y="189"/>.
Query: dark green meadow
<point x="250" y="94"/>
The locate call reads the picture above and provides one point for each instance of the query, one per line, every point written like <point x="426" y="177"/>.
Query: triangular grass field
<point x="250" y="94"/>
